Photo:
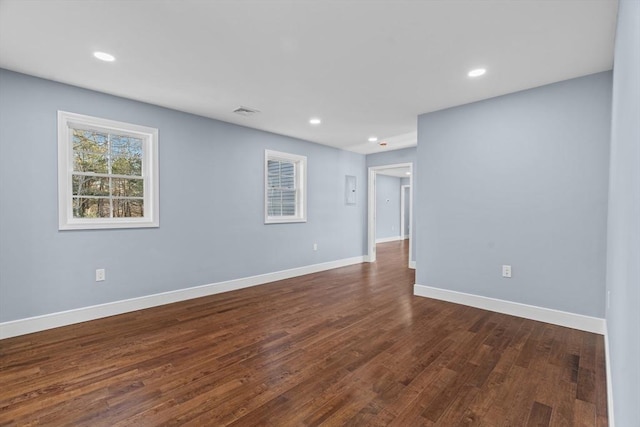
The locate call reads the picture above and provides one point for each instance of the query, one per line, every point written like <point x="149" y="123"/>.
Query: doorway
<point x="402" y="170"/>
<point x="405" y="224"/>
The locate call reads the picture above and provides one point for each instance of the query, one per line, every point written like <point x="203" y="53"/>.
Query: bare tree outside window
<point x="107" y="175"/>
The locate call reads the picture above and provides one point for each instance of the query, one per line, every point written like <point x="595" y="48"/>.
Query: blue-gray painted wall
<point x="407" y="207"/>
<point x="521" y="180"/>
<point x="383" y="158"/>
<point x="211" y="206"/>
<point x="623" y="246"/>
<point x="387" y="206"/>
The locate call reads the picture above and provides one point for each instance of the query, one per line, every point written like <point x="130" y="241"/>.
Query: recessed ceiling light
<point x="315" y="121"/>
<point x="372" y="139"/>
<point x="407" y="173"/>
<point x="477" y="72"/>
<point x="103" y="56"/>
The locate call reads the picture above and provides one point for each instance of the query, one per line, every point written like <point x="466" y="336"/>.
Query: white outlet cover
<point x="506" y="271"/>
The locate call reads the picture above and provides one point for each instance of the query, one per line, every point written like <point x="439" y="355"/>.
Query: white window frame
<point x="149" y="137"/>
<point x="300" y="167"/>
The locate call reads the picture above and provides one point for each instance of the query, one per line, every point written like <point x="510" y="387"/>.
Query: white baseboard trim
<point x="548" y="315"/>
<point x="388" y="239"/>
<point x="63" y="318"/>
<point x="607" y="359"/>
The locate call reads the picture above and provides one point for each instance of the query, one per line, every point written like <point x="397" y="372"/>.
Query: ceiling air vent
<point x="245" y="111"/>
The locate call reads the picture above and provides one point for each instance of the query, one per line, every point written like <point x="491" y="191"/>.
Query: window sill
<point x="92" y="224"/>
<point x="284" y="220"/>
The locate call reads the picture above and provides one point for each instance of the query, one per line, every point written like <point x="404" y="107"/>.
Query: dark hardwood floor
<point x="350" y="346"/>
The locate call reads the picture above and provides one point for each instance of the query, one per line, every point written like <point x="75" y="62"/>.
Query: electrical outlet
<point x="506" y="271"/>
<point x="100" y="275"/>
<point x="315" y="246"/>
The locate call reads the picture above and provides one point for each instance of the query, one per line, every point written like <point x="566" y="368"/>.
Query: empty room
<point x="311" y="212"/>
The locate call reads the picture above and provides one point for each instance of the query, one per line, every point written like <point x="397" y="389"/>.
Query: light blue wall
<point x="387" y="206"/>
<point x="404" y="155"/>
<point x="521" y="180"/>
<point x="211" y="206"/>
<point x="407" y="206"/>
<point x="623" y="246"/>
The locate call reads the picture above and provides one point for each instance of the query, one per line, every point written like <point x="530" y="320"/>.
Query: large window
<point x="285" y="187"/>
<point x="107" y="173"/>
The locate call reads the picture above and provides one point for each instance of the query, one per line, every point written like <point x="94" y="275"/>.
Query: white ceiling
<point x="364" y="67"/>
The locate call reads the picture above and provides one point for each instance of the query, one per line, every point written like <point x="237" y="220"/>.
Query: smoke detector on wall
<point x="246" y="111"/>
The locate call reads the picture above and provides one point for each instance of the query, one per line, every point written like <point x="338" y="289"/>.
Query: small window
<point x="107" y="173"/>
<point x="285" y="187"/>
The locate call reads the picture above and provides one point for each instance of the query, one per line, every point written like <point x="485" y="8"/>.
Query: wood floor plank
<point x="350" y="346"/>
<point x="540" y="415"/>
<point x="600" y="384"/>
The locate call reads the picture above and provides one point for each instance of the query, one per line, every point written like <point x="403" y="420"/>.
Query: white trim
<point x="607" y="359"/>
<point x="548" y="315"/>
<point x="300" y="165"/>
<point x="389" y="239"/>
<point x="402" y="210"/>
<point x="151" y="196"/>
<point x="371" y="208"/>
<point x="54" y="320"/>
<point x="412" y="265"/>
<point x="371" y="216"/>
